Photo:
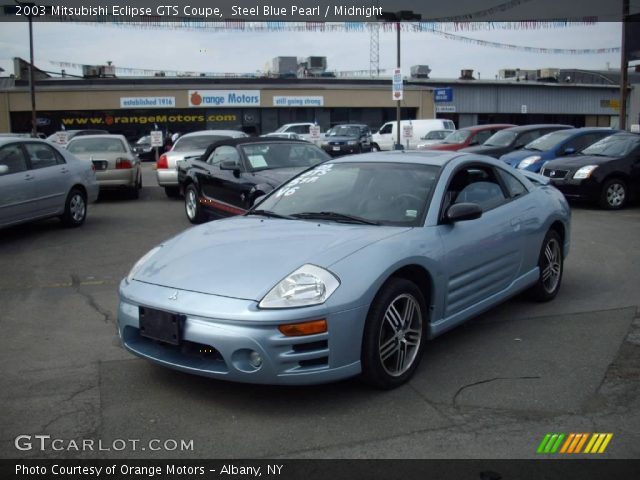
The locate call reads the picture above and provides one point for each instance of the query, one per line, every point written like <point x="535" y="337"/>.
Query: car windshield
<point x="549" y="141"/>
<point x="501" y="139"/>
<point x="90" y="145"/>
<point x="613" y="146"/>
<point x="196" y="142"/>
<point x="283" y="128"/>
<point x="458" y="136"/>
<point x="344" y="131"/>
<point x="389" y="193"/>
<point x="267" y="156"/>
<point x="144" y="140"/>
<point x="436" y="135"/>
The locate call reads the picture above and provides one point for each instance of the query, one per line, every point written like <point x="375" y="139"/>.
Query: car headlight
<point x="138" y="265"/>
<point x="528" y="161"/>
<point x="584" y="172"/>
<point x="352" y="142"/>
<point x="308" y="285"/>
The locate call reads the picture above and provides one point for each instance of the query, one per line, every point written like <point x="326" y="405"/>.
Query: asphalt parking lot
<point x="489" y="389"/>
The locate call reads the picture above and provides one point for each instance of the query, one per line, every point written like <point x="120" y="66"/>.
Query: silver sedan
<point x="116" y="165"/>
<point x="39" y="180"/>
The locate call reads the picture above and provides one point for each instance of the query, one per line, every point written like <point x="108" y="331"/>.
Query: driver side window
<point x="475" y="184"/>
<point x="386" y="128"/>
<point x="224" y="153"/>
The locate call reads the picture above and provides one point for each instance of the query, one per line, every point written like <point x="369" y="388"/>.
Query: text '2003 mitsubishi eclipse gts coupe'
<point x="347" y="269"/>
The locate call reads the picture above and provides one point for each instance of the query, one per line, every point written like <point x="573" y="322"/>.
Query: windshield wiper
<point x="268" y="213"/>
<point x="338" y="217"/>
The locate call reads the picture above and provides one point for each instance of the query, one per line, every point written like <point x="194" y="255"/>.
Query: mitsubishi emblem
<point x="553" y="173"/>
<point x="174" y="295"/>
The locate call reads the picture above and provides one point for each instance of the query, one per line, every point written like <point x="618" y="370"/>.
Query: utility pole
<point x="32" y="87"/>
<point x="398" y="114"/>
<point x="624" y="67"/>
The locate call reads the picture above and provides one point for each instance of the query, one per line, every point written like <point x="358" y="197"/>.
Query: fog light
<point x="255" y="359"/>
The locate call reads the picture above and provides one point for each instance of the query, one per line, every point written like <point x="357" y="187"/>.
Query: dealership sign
<point x="224" y="98"/>
<point x="445" y="108"/>
<point x="443" y="94"/>
<point x="147" y="102"/>
<point x="297" y="101"/>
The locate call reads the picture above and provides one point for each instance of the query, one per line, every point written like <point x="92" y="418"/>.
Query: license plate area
<point x="159" y="325"/>
<point x="336" y="149"/>
<point x="100" y="164"/>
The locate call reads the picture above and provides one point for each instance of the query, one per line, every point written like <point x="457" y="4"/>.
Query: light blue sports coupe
<point x="347" y="269"/>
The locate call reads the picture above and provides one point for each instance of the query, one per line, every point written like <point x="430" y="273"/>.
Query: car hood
<point x="276" y="176"/>
<point x="515" y="157"/>
<point x="485" y="149"/>
<point x="341" y="138"/>
<point x="245" y="257"/>
<point x="444" y="146"/>
<point x="577" y="161"/>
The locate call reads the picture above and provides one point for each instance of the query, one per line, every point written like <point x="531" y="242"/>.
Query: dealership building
<point x="135" y="105"/>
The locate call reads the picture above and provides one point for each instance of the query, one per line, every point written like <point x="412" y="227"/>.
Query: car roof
<point x="233" y="142"/>
<point x="98" y="135"/>
<point x="350" y="125"/>
<point x="438" y="158"/>
<point x="479" y="128"/>
<point x="524" y="128"/>
<point x="212" y="132"/>
<point x="7" y="140"/>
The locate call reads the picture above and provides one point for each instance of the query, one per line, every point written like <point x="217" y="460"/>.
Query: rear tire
<point x="75" y="209"/>
<point x="375" y="147"/>
<point x="192" y="206"/>
<point x="614" y="194"/>
<point x="393" y="340"/>
<point x="134" y="192"/>
<point x="551" y="265"/>
<point x="172" y="192"/>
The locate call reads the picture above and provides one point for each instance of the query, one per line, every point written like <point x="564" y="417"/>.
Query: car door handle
<point x="64" y="170"/>
<point x="29" y="177"/>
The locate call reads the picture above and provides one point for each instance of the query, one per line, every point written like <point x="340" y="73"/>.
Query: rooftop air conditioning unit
<point x="420" y="71"/>
<point x="90" y="71"/>
<point x="466" y="74"/>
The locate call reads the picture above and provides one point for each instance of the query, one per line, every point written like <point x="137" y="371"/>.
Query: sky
<point x="248" y="52"/>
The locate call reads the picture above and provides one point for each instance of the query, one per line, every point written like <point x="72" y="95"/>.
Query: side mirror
<point x="4" y="169"/>
<point x="258" y="199"/>
<point x="229" y="165"/>
<point x="463" y="211"/>
<point x="569" y="151"/>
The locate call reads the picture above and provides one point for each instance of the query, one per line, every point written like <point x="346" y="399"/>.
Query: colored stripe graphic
<point x="573" y="443"/>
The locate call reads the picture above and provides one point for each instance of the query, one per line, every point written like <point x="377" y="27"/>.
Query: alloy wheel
<point x="400" y="335"/>
<point x="615" y="195"/>
<point x="77" y="207"/>
<point x="552" y="268"/>
<point x="191" y="205"/>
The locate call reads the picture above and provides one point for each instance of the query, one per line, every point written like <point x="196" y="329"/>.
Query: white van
<point x="385" y="138"/>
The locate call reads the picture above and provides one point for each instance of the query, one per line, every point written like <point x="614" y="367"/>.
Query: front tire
<point x="192" y="205"/>
<point x="393" y="340"/>
<point x="551" y="265"/>
<point x="375" y="147"/>
<point x="75" y="209"/>
<point x="614" y="194"/>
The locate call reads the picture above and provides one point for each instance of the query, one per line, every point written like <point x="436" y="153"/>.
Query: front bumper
<point x="219" y="333"/>
<point x="586" y="189"/>
<point x="335" y="150"/>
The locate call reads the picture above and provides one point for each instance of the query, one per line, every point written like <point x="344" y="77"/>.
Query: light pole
<point x="624" y="65"/>
<point x="12" y="10"/>
<point x="397" y="17"/>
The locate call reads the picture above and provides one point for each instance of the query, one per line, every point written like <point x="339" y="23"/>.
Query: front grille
<point x="308" y="347"/>
<point x="553" y="173"/>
